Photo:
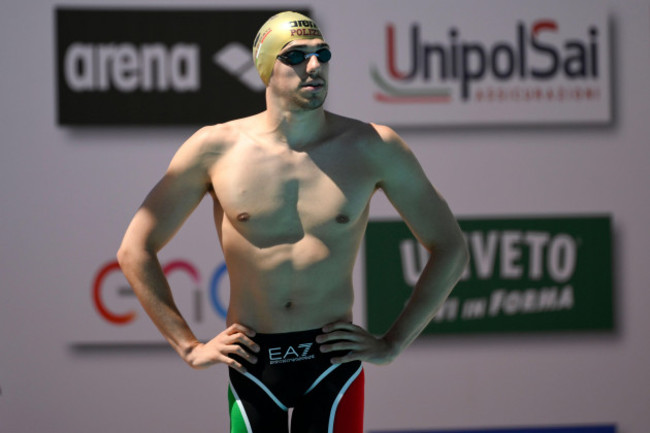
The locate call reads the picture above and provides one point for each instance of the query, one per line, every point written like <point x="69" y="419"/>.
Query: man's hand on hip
<point x="359" y="343"/>
<point x="235" y="340"/>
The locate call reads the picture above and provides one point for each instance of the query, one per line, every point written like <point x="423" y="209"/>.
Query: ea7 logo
<point x="290" y="352"/>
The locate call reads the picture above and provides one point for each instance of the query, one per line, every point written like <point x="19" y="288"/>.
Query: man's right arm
<point x="163" y="212"/>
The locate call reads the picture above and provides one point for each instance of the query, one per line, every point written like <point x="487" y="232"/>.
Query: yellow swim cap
<point x="277" y="32"/>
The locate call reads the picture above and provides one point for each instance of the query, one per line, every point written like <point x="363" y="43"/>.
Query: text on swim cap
<point x="307" y="28"/>
<point x="303" y="23"/>
<point x="305" y="32"/>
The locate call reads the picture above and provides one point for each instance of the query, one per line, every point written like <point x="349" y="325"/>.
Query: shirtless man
<point x="291" y="188"/>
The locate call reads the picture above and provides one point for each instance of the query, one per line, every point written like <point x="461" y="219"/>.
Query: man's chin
<point x="314" y="101"/>
<point x="308" y="104"/>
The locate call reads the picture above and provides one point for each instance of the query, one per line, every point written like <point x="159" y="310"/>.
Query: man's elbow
<point x="463" y="255"/>
<point x="459" y="255"/>
<point x="127" y="254"/>
<point x="133" y="253"/>
<point x="123" y="255"/>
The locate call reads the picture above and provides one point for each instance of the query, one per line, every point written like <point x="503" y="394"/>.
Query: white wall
<point x="67" y="194"/>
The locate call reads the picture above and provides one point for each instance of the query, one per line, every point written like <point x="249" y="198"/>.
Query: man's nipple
<point x="342" y="219"/>
<point x="243" y="217"/>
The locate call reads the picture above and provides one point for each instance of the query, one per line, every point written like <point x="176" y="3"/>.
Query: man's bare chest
<point x="291" y="191"/>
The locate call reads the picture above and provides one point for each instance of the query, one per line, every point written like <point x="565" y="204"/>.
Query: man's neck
<point x="296" y="128"/>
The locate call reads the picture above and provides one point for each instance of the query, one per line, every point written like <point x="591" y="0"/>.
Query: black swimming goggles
<point x="296" y="57"/>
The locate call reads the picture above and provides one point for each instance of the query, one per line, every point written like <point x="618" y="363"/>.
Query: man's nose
<point x="313" y="63"/>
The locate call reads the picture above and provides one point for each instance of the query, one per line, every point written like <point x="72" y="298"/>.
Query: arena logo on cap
<point x="304" y="28"/>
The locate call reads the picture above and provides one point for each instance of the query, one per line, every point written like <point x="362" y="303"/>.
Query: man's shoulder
<point x="205" y="146"/>
<point x="220" y="137"/>
<point x="374" y="138"/>
<point x="365" y="132"/>
<point x="235" y="126"/>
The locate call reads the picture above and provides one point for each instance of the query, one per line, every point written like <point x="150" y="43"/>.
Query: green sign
<point x="524" y="275"/>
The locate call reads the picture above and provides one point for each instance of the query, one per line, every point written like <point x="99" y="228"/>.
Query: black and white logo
<point x="236" y="59"/>
<point x="285" y="354"/>
<point x="118" y="67"/>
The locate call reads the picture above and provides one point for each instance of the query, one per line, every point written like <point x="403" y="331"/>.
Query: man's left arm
<point x="429" y="218"/>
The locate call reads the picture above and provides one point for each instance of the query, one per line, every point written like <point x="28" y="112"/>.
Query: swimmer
<point x="291" y="188"/>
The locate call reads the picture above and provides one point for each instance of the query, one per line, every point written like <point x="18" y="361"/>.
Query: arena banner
<point x="527" y="274"/>
<point x="534" y="62"/>
<point x="151" y="66"/>
<point x="574" y="429"/>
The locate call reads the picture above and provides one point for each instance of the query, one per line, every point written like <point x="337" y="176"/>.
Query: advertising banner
<point x="113" y="315"/>
<point x="443" y="63"/>
<point x="525" y="275"/>
<point x="425" y="63"/>
<point x="146" y="67"/>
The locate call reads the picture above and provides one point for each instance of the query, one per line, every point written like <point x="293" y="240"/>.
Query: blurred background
<point x="518" y="111"/>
